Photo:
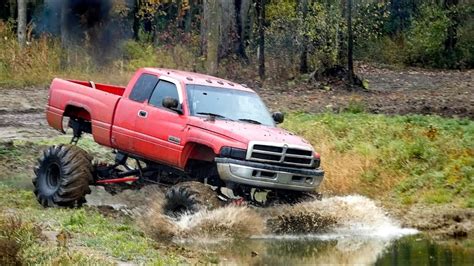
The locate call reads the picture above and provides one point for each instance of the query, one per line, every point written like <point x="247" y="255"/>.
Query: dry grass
<point x="15" y="236"/>
<point x="412" y="158"/>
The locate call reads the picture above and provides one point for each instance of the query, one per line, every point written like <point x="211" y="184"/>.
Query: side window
<point x="162" y="90"/>
<point x="143" y="88"/>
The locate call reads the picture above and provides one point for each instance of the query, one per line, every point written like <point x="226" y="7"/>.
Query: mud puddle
<point x="336" y="230"/>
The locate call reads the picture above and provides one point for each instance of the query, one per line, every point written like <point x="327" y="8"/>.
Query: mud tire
<point x="189" y="197"/>
<point x="62" y="176"/>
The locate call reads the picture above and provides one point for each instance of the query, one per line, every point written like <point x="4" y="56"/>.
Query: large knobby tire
<point x="62" y="176"/>
<point x="189" y="197"/>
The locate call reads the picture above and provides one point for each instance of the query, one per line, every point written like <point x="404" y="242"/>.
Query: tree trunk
<point x="21" y="29"/>
<point x="136" y="20"/>
<point x="303" y="8"/>
<point x="342" y="43"/>
<point x="13" y="8"/>
<point x="451" y="38"/>
<point x="65" y="38"/>
<point x="261" y="37"/>
<point x="212" y="26"/>
<point x="227" y="28"/>
<point x="188" y="19"/>
<point x="239" y="21"/>
<point x="350" y="44"/>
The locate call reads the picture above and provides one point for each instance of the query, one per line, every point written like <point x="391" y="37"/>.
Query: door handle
<point x="142" y="113"/>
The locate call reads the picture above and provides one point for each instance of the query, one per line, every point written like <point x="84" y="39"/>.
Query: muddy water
<point x="336" y="230"/>
<point x="408" y="250"/>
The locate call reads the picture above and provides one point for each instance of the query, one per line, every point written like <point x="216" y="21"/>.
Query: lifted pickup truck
<point x="191" y="133"/>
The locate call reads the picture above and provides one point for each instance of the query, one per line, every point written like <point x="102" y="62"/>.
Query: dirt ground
<point x="409" y="91"/>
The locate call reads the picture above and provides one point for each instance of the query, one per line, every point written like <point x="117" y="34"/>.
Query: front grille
<point x="280" y="154"/>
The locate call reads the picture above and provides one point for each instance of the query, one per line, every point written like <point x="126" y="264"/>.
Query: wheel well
<point x="200" y="152"/>
<point x="200" y="164"/>
<point x="77" y="112"/>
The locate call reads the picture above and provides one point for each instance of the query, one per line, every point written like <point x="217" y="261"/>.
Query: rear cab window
<point x="143" y="88"/>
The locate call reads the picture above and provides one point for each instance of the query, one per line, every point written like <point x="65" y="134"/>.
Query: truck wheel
<point x="62" y="176"/>
<point x="189" y="197"/>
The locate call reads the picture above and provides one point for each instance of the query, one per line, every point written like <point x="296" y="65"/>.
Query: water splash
<point x="341" y="217"/>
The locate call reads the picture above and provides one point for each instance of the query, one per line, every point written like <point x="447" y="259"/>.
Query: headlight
<point x="234" y="153"/>
<point x="317" y="160"/>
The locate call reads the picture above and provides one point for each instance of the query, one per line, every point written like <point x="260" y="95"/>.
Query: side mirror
<point x="278" y="117"/>
<point x="172" y="104"/>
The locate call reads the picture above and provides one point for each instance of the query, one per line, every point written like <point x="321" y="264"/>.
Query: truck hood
<point x="246" y="132"/>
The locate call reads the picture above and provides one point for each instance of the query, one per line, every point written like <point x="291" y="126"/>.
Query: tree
<point x="303" y="6"/>
<point x="21" y="29"/>
<point x="211" y="29"/>
<point x="350" y="44"/>
<point x="65" y="38"/>
<point x="451" y="37"/>
<point x="260" y="7"/>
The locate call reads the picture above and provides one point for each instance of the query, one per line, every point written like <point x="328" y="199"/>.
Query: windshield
<point x="228" y="104"/>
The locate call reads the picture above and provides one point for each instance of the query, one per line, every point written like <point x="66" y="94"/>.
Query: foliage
<point x="41" y="55"/>
<point x="427" y="35"/>
<point x="420" y="158"/>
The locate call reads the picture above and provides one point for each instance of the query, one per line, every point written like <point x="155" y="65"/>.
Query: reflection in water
<point x="411" y="250"/>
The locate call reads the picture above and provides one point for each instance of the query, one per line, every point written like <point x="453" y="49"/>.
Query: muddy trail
<point x="22" y="114"/>
<point x="391" y="91"/>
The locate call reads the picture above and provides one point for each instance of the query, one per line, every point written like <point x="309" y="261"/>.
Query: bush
<point x="386" y="50"/>
<point x="426" y="36"/>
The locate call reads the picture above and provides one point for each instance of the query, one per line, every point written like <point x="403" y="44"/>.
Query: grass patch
<point x="414" y="158"/>
<point x="89" y="236"/>
<point x="84" y="236"/>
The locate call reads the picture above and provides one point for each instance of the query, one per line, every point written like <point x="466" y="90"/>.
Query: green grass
<point x="415" y="158"/>
<point x="88" y="231"/>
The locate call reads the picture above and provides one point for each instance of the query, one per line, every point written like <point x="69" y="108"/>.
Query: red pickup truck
<point x="189" y="132"/>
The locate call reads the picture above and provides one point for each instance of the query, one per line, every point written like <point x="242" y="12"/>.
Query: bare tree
<point x="211" y="32"/>
<point x="260" y="6"/>
<point x="241" y="17"/>
<point x="21" y="29"/>
<point x="188" y="18"/>
<point x="65" y="38"/>
<point x="350" y="44"/>
<point x="13" y="9"/>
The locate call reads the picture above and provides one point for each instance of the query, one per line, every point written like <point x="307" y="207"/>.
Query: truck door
<point x="128" y="109"/>
<point x="161" y="130"/>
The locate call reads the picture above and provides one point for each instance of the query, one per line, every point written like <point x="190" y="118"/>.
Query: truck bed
<point x="94" y="102"/>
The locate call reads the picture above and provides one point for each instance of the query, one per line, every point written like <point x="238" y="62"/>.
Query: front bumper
<point x="268" y="176"/>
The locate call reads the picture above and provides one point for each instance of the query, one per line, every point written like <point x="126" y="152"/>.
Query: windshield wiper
<point x="213" y="114"/>
<point x="250" y="121"/>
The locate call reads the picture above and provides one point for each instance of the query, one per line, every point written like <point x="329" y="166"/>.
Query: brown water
<point x="408" y="250"/>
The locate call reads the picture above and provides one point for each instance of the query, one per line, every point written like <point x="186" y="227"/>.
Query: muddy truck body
<point x="185" y="131"/>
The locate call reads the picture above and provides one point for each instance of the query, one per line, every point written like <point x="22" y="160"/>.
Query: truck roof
<point x="199" y="79"/>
